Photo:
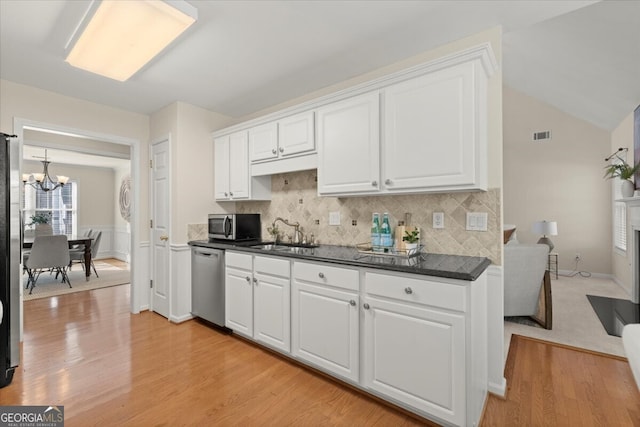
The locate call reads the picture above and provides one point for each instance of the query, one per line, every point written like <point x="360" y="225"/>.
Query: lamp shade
<point x="547" y="228"/>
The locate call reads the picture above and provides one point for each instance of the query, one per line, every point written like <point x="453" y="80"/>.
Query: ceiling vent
<point x="542" y="136"/>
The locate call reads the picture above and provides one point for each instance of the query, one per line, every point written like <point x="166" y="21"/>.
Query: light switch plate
<point x="477" y="221"/>
<point x="334" y="218"/>
<point x="438" y="220"/>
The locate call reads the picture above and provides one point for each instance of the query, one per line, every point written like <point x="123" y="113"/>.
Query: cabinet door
<point x="238" y="305"/>
<point x="416" y="355"/>
<point x="239" y="166"/>
<point x="221" y="167"/>
<point x="296" y="134"/>
<point x="325" y="328"/>
<point x="430" y="138"/>
<point x="272" y="322"/>
<point x="348" y="146"/>
<point x="263" y="142"/>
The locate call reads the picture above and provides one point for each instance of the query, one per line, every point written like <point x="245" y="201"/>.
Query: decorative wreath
<point x="125" y="198"/>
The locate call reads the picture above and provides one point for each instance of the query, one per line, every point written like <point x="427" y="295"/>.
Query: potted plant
<point x="411" y="239"/>
<point x="625" y="172"/>
<point x="275" y="233"/>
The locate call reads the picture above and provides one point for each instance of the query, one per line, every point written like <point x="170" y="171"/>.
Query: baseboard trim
<point x="499" y="390"/>
<point x="180" y="319"/>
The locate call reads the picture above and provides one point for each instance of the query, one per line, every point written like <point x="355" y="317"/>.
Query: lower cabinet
<point x="325" y="318"/>
<point x="257" y="304"/>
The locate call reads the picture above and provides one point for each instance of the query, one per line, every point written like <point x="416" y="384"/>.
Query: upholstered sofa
<point x="527" y="286"/>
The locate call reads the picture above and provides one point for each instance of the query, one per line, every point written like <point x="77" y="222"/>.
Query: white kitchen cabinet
<point x="257" y="302"/>
<point x="231" y="170"/>
<point x="263" y="142"/>
<point x="325" y="318"/>
<point x="296" y="134"/>
<point x="349" y="146"/>
<point x="435" y="132"/>
<point x="419" y="348"/>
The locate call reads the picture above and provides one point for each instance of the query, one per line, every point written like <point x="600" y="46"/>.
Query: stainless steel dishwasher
<point x="207" y="284"/>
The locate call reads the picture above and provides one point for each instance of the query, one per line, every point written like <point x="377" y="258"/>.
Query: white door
<point x="263" y="142"/>
<point x="271" y="311"/>
<point x="417" y="356"/>
<point x="349" y="145"/>
<point x="429" y="124"/>
<point x="238" y="301"/>
<point x="160" y="208"/>
<point x="296" y="135"/>
<point x="239" y="165"/>
<point x="325" y="328"/>
<point x="221" y="167"/>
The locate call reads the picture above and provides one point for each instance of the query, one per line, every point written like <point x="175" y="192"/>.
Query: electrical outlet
<point x="438" y="220"/>
<point x="477" y="221"/>
<point x="334" y="218"/>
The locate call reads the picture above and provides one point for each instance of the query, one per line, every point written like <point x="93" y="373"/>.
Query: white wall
<point x="559" y="180"/>
<point x="621" y="137"/>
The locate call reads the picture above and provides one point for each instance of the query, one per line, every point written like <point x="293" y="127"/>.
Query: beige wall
<point x="192" y="186"/>
<point x="622" y="137"/>
<point x="26" y="102"/>
<point x="96" y="195"/>
<point x="558" y="180"/>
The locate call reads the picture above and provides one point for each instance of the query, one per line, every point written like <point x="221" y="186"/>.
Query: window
<point x="62" y="204"/>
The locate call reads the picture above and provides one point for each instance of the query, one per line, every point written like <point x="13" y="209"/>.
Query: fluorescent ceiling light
<point x="122" y="36"/>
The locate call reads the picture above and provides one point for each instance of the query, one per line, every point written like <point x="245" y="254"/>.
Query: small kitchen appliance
<point x="234" y="227"/>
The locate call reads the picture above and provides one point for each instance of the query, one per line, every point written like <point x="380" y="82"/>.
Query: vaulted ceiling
<point x="582" y="57"/>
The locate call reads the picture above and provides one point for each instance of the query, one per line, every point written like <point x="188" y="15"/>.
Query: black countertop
<point x="449" y="266"/>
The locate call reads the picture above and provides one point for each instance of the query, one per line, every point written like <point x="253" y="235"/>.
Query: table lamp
<point x="546" y="228"/>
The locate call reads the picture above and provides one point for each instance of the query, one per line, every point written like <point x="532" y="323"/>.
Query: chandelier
<point x="42" y="180"/>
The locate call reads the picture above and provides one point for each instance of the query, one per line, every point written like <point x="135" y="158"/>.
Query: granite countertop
<point x="448" y="266"/>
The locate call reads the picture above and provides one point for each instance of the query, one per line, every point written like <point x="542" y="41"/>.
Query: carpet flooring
<point x="48" y="286"/>
<point x="575" y="323"/>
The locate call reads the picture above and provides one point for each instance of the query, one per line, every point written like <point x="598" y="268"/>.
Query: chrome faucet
<point x="296" y="228"/>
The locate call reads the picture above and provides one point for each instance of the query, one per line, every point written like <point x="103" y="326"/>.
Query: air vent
<point x="542" y="136"/>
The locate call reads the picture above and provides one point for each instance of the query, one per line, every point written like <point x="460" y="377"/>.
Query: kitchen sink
<point x="294" y="248"/>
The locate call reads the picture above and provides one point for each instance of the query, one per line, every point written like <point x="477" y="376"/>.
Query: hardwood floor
<point x="555" y="385"/>
<point x="107" y="367"/>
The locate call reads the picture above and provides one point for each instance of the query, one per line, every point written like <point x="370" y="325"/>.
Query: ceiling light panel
<point x="123" y="36"/>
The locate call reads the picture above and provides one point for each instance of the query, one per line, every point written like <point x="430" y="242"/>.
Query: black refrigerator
<point x="10" y="253"/>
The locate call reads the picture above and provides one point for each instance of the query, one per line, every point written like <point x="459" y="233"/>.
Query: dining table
<point x="27" y="243"/>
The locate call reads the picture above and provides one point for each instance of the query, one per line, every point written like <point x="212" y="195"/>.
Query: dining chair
<point x="48" y="252"/>
<point x="77" y="255"/>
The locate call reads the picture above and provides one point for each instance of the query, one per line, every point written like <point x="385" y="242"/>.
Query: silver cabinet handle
<point x="352" y="302"/>
<point x="281" y="150"/>
<point x="230" y="193"/>
<point x="366" y="306"/>
<point x="408" y="290"/>
<point x="321" y="275"/>
<point x="255" y="280"/>
<point x="226" y="194"/>
<point x="387" y="181"/>
<point x="248" y="279"/>
<point x="273" y="151"/>
<point x="374" y="183"/>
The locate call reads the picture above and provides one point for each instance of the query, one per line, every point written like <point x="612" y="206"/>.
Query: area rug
<point x="48" y="286"/>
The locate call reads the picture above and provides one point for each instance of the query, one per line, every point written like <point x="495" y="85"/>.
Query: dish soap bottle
<point x="375" y="231"/>
<point x="386" y="239"/>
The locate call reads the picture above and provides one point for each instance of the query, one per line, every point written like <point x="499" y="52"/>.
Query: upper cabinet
<point x="434" y="132"/>
<point x="421" y="129"/>
<point x="231" y="170"/>
<point x="348" y="145"/>
<point x="433" y="138"/>
<point x="285" y="145"/>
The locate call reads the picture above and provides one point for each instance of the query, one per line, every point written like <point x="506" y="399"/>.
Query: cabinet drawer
<point x="421" y="291"/>
<point x="324" y="274"/>
<point x="237" y="260"/>
<point x="272" y="266"/>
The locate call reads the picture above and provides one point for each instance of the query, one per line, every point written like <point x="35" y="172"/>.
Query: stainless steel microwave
<point x="234" y="226"/>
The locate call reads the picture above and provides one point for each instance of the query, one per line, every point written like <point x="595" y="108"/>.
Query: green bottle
<point x="386" y="240"/>
<point x="375" y="231"/>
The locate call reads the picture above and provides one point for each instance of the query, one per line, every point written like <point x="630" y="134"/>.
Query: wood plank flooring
<point x="107" y="367"/>
<point x="554" y="385"/>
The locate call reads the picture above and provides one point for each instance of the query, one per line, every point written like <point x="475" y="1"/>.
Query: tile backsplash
<point x="294" y="197"/>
